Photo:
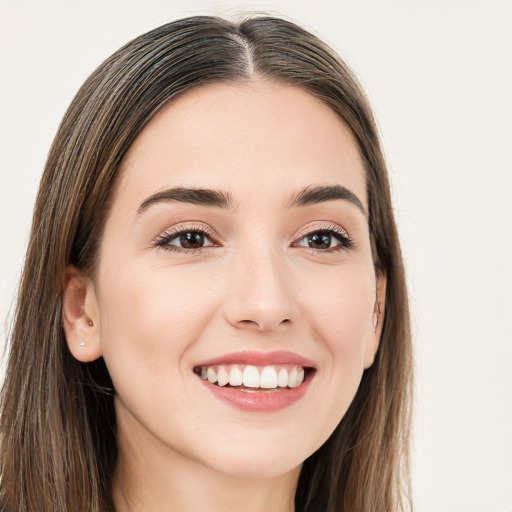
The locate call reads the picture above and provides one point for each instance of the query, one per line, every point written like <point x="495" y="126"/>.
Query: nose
<point x="260" y="295"/>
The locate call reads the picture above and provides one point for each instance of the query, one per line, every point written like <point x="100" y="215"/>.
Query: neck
<point x="158" y="479"/>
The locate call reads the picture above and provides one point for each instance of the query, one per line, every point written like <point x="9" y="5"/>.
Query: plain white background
<point x="439" y="75"/>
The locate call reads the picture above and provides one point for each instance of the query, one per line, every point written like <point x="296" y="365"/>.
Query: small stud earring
<point x="82" y="343"/>
<point x="90" y="322"/>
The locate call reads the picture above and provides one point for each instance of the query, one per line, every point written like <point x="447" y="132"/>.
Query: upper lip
<point x="260" y="359"/>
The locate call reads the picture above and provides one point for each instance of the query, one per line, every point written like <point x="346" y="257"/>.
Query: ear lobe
<point x="80" y="316"/>
<point x="377" y="321"/>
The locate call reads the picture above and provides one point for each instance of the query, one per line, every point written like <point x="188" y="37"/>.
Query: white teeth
<point x="222" y="377"/>
<point x="236" y="377"/>
<point x="283" y="378"/>
<point x="268" y="378"/>
<point x="296" y="377"/>
<point x="251" y="377"/>
<point x="292" y="378"/>
<point x="211" y="375"/>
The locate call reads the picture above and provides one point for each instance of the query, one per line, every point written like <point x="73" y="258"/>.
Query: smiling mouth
<point x="252" y="378"/>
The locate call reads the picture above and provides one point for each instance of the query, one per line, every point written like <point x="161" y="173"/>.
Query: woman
<point x="213" y="312"/>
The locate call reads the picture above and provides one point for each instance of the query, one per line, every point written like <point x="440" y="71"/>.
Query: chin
<point x="260" y="460"/>
<point x="260" y="469"/>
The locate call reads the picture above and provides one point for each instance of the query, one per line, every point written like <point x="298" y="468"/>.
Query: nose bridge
<point x="260" y="293"/>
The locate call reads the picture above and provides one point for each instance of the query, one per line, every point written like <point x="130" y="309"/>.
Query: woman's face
<point x="237" y="249"/>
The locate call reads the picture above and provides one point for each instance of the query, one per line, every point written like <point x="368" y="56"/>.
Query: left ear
<point x="377" y="320"/>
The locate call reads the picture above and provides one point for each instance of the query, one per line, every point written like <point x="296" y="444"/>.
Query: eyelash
<point x="163" y="240"/>
<point x="345" y="242"/>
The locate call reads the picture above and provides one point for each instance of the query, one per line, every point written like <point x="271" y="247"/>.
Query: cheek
<point x="148" y="320"/>
<point x="342" y="326"/>
<point x="342" y="314"/>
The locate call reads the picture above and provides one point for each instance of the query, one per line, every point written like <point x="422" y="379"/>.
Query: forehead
<point x="247" y="138"/>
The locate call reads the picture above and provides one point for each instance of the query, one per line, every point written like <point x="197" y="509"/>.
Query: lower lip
<point x="258" y="401"/>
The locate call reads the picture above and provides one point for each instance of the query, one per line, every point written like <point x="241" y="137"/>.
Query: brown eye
<point x="191" y="240"/>
<point x="320" y="240"/>
<point x="184" y="240"/>
<point x="326" y="240"/>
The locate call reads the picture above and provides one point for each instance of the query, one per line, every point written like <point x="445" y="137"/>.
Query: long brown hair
<point x="58" y="426"/>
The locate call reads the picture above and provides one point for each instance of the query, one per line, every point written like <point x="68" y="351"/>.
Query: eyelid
<point x="174" y="231"/>
<point x="320" y="226"/>
<point x="345" y="241"/>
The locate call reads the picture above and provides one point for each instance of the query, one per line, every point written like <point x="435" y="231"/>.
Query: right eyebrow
<point x="201" y="196"/>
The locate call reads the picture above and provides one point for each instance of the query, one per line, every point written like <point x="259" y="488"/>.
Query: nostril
<point x="262" y="325"/>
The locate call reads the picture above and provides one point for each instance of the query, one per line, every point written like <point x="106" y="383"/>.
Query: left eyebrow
<point x="320" y="194"/>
